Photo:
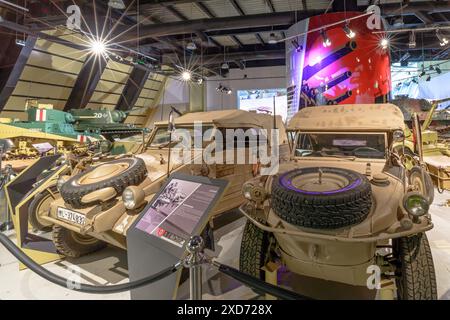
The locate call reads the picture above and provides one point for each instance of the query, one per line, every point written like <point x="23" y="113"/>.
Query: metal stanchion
<point x="194" y="262"/>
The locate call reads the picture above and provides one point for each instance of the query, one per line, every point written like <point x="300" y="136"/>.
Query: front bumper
<point x="394" y="232"/>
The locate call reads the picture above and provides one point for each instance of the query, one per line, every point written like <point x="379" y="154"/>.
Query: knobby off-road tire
<point x="254" y="251"/>
<point x="76" y="188"/>
<point x="417" y="278"/>
<point x="74" y="245"/>
<point x="346" y="199"/>
<point x="426" y="187"/>
<point x="40" y="205"/>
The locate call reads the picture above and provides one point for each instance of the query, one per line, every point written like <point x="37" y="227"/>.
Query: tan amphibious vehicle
<point x="343" y="208"/>
<point x="98" y="205"/>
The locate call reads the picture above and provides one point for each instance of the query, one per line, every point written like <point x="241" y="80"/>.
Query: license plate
<point x="71" y="216"/>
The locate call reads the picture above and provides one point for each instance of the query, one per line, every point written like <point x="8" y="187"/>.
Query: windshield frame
<point x="384" y="133"/>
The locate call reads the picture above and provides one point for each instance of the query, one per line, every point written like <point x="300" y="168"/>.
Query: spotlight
<point x="414" y="80"/>
<point x="297" y="47"/>
<point x="229" y="91"/>
<point x="384" y="43"/>
<point x="349" y="32"/>
<point x="326" y="41"/>
<point x="428" y="78"/>
<point x="219" y="88"/>
<point x="191" y="46"/>
<point x="272" y="39"/>
<point x="438" y="70"/>
<point x="443" y="41"/>
<point x="431" y="68"/>
<point x="200" y="81"/>
<point x="412" y="40"/>
<point x="20" y="42"/>
<point x="98" y="47"/>
<point x="225" y="66"/>
<point x="186" y="75"/>
<point x="423" y="71"/>
<point x="116" y="4"/>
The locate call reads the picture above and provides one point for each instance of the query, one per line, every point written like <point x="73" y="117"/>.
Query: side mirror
<point x="5" y="145"/>
<point x="399" y="136"/>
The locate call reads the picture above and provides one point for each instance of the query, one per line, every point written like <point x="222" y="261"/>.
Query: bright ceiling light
<point x="326" y="41"/>
<point x="443" y="41"/>
<point x="349" y="32"/>
<point x="186" y="75"/>
<point x="384" y="43"/>
<point x="116" y="4"/>
<point x="98" y="47"/>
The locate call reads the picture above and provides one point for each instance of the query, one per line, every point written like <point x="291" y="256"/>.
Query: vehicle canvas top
<point x="368" y="117"/>
<point x="226" y="118"/>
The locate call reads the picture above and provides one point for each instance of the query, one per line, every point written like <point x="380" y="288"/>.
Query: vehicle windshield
<point x="162" y="136"/>
<point x="354" y="145"/>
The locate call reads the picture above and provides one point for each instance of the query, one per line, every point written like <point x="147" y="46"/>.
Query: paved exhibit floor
<point x="109" y="266"/>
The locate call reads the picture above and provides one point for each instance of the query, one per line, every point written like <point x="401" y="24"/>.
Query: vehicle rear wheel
<point x="39" y="207"/>
<point x="417" y="278"/>
<point x="254" y="254"/>
<point x="425" y="187"/>
<point x="322" y="198"/>
<point x="72" y="244"/>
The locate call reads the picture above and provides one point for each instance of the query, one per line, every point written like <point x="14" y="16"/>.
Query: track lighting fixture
<point x="297" y="47"/>
<point x="325" y="40"/>
<point x="412" y="40"/>
<point x="273" y="39"/>
<point x="348" y="32"/>
<point x="443" y="41"/>
<point x="223" y="89"/>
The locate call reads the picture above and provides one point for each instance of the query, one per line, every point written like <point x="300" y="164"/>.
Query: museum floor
<point x="110" y="267"/>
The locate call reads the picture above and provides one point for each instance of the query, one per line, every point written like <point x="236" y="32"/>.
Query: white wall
<point x="176" y="94"/>
<point x="257" y="78"/>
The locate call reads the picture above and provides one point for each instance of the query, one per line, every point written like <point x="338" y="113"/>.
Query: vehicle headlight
<point x="133" y="197"/>
<point x="254" y="192"/>
<point x="61" y="180"/>
<point x="247" y="191"/>
<point x="416" y="204"/>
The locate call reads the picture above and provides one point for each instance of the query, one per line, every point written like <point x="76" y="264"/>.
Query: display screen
<point x="174" y="214"/>
<point x="262" y="101"/>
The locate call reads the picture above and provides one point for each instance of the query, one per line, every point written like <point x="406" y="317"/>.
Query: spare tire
<point x="322" y="198"/>
<point x="426" y="187"/>
<point x="118" y="174"/>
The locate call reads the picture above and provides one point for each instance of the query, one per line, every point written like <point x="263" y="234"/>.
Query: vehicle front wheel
<point x="255" y="246"/>
<point x="72" y="244"/>
<point x="416" y="276"/>
<point x="40" y="207"/>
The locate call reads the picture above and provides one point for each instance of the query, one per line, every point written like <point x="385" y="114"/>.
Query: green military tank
<point x="108" y="123"/>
